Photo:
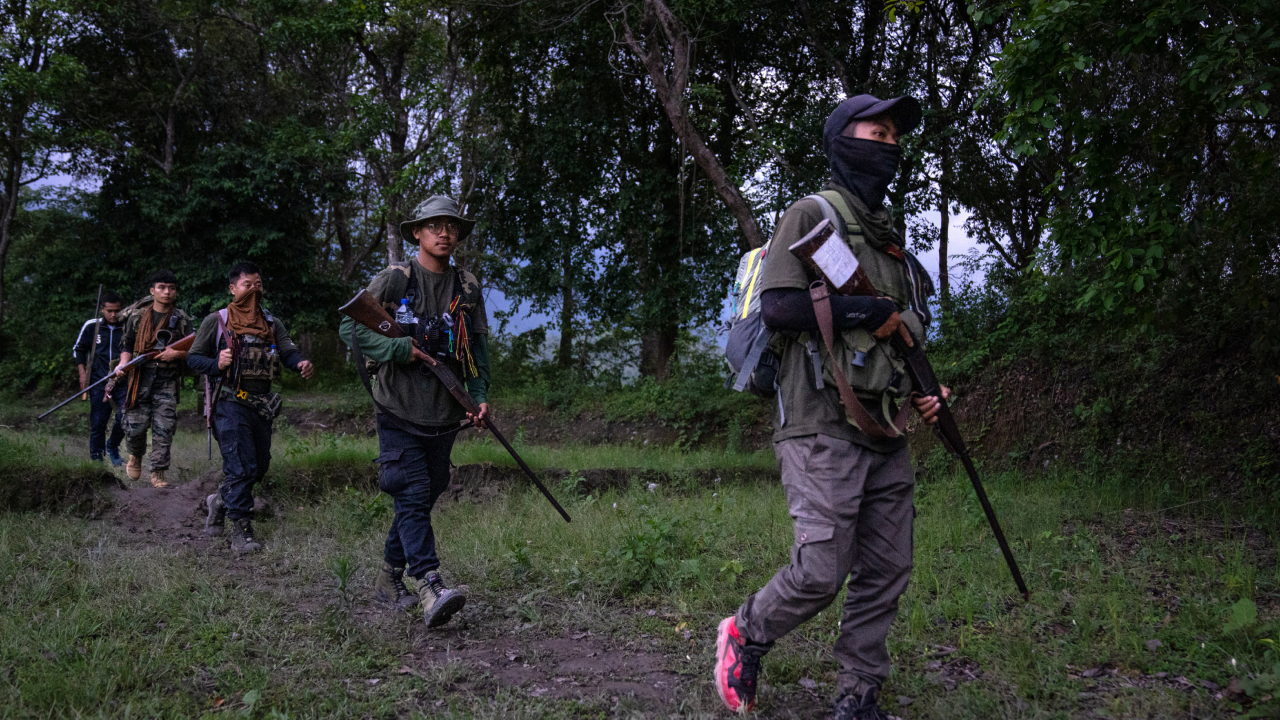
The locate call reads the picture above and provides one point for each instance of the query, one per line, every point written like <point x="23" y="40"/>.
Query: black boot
<point x="242" y="537"/>
<point x="850" y="708"/>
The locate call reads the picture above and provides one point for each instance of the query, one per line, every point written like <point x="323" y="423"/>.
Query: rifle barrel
<point x="922" y="375"/>
<point x="184" y="345"/>
<point x="87" y="388"/>
<point x="527" y="470"/>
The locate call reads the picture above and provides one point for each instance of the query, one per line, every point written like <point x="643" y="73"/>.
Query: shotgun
<point x="208" y="413"/>
<point x="183" y="344"/>
<point x="835" y="263"/>
<point x="367" y="311"/>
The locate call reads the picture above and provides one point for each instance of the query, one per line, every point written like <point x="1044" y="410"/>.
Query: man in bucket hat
<point x="417" y="418"/>
<point x="849" y="488"/>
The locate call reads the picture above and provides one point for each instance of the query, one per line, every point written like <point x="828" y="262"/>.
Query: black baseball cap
<point x="905" y="111"/>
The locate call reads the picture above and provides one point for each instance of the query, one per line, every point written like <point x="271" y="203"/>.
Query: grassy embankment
<point x="97" y="623"/>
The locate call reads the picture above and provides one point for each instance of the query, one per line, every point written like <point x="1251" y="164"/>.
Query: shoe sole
<point x="445" y="608"/>
<point x="722" y="642"/>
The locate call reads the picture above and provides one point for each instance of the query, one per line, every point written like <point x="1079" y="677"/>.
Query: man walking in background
<point x="849" y="483"/>
<point x="243" y="346"/>
<point x="95" y="351"/>
<point x="150" y="400"/>
<point x="417" y="417"/>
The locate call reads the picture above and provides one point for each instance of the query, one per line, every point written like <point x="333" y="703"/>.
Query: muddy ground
<point x="593" y="657"/>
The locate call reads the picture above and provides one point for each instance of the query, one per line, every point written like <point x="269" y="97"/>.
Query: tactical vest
<point x="255" y="363"/>
<point x="874" y="369"/>
<point x="404" y="286"/>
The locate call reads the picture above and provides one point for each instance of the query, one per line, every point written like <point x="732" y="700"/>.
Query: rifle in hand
<point x="367" y="311"/>
<point x="182" y="345"/>
<point x="835" y="262"/>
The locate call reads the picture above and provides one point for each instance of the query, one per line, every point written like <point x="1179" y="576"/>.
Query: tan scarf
<point x="245" y="317"/>
<point x="145" y="339"/>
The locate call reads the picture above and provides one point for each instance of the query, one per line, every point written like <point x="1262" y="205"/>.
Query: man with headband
<point x="242" y="348"/>
<point x="849" y="488"/>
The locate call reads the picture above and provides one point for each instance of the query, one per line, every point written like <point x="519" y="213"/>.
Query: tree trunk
<point x="944" y="210"/>
<point x="13" y="180"/>
<point x="656" y="349"/>
<point x="670" y="92"/>
<point x="395" y="247"/>
<point x="564" y="358"/>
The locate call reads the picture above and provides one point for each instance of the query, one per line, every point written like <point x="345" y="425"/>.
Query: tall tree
<point x="1165" y="110"/>
<point x="32" y="71"/>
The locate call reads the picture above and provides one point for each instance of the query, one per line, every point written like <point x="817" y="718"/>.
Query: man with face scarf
<point x="849" y="488"/>
<point x="243" y="347"/>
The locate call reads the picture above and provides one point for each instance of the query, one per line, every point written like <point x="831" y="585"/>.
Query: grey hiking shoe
<point x="217" y="517"/>
<point x="439" y="602"/>
<point x="389" y="588"/>
<point x="242" y="537"/>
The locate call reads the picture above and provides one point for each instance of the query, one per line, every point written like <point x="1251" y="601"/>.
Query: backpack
<point x="753" y="367"/>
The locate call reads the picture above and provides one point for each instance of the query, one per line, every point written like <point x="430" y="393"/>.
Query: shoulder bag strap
<point x="821" y="297"/>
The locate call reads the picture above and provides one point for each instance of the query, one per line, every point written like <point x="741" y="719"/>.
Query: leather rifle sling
<point x="821" y="297"/>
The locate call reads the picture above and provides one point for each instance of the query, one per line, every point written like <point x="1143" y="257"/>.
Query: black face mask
<point x="865" y="167"/>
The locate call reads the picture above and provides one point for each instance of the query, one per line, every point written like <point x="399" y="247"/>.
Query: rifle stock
<point x="367" y="311"/>
<point x="183" y="345"/>
<point x="854" y="281"/>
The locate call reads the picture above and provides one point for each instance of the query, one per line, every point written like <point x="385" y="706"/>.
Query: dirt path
<point x="597" y="657"/>
<point x="163" y="515"/>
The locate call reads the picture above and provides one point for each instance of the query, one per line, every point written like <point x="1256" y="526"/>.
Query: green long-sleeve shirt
<point x="408" y="389"/>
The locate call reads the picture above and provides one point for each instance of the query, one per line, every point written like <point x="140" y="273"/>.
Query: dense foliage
<point x="1116" y="162"/>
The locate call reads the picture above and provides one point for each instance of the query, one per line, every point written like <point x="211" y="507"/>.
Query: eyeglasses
<point x="442" y="226"/>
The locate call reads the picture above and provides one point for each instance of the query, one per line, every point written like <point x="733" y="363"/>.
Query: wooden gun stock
<point x="183" y="345"/>
<point x="370" y="313"/>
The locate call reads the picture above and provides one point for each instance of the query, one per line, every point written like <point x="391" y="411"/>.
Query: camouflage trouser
<point x="157" y="408"/>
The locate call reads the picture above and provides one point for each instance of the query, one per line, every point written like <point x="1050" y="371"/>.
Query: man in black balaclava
<point x="849" y="482"/>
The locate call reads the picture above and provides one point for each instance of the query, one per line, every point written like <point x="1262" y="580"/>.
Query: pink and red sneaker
<point x="737" y="667"/>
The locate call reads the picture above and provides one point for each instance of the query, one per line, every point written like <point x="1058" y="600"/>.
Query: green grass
<point x="95" y="623"/>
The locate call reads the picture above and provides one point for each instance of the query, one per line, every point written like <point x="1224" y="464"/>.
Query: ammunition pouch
<point x="266" y="405"/>
<point x="257" y="366"/>
<point x="431" y="335"/>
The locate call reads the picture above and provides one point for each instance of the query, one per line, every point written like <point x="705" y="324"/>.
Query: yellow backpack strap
<point x="755" y="263"/>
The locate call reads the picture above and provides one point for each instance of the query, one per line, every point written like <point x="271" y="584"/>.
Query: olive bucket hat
<point x="432" y="207"/>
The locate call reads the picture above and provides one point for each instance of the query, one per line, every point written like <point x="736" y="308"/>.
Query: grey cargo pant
<point x="853" y="511"/>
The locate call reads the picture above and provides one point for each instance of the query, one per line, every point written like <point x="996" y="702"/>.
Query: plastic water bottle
<point x="404" y="315"/>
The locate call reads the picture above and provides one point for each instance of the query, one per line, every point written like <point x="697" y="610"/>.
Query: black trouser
<point x="100" y="413"/>
<point x="414" y="472"/>
<point x="244" y="439"/>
